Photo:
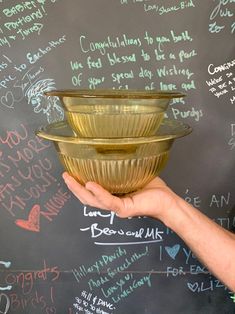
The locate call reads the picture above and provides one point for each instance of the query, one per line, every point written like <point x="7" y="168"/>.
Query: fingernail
<point x="65" y="176"/>
<point x="66" y="179"/>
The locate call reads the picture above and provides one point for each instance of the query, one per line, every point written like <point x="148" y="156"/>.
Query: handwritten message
<point x="157" y="61"/>
<point x="28" y="297"/>
<point x="222" y="81"/>
<point x="153" y="6"/>
<point x="22" y="21"/>
<point x="89" y="303"/>
<point x="28" y="80"/>
<point x="122" y="260"/>
<point x="114" y="282"/>
<point x="26" y="176"/>
<point x="222" y="17"/>
<point x="231" y="141"/>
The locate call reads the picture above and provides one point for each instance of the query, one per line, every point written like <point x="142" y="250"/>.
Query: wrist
<point x="175" y="216"/>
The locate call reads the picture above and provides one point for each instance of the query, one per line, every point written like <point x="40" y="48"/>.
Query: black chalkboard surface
<point x="58" y="256"/>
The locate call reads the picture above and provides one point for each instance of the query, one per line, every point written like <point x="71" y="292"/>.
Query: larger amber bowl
<point x="114" y="113"/>
<point x="119" y="165"/>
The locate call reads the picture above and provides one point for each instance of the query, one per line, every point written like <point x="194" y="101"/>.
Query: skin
<point x="213" y="245"/>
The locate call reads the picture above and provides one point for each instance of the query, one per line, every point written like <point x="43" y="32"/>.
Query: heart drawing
<point x="8" y="100"/>
<point x="32" y="223"/>
<point x="172" y="251"/>
<point x="50" y="310"/>
<point x="193" y="286"/>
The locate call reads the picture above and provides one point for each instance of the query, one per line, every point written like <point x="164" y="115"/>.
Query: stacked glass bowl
<point x="117" y="138"/>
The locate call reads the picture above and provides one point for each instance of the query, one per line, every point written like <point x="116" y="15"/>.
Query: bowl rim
<point x="115" y="93"/>
<point x="49" y="133"/>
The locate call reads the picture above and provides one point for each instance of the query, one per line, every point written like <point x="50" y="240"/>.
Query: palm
<point x="152" y="200"/>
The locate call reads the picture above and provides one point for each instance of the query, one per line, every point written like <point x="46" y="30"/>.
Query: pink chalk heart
<point x="32" y="223"/>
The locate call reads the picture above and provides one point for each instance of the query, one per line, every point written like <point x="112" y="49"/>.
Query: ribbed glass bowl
<point x="114" y="113"/>
<point x="119" y="165"/>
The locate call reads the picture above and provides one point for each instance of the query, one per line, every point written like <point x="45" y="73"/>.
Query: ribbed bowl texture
<point x="112" y="125"/>
<point x="120" y="165"/>
<point x="118" y="176"/>
<point x="114" y="113"/>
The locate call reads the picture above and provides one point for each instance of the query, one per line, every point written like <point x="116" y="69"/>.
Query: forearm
<point x="213" y="245"/>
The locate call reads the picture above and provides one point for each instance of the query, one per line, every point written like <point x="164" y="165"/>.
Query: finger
<point x="77" y="189"/>
<point x="105" y="199"/>
<point x="85" y="195"/>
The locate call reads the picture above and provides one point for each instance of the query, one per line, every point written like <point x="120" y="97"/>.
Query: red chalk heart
<point x="32" y="223"/>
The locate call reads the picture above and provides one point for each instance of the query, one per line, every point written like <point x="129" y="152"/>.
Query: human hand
<point x="155" y="200"/>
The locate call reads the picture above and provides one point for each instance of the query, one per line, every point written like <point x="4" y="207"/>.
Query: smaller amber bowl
<point x="120" y="165"/>
<point x="114" y="113"/>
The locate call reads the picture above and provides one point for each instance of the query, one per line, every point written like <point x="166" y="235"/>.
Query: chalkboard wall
<point x="58" y="256"/>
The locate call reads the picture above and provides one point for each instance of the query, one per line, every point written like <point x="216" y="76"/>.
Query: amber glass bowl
<point x="120" y="165"/>
<point x="114" y="113"/>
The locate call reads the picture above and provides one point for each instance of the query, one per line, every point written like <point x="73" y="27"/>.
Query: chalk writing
<point x="7" y="265"/>
<point x="88" y="46"/>
<point x="36" y="301"/>
<point x="194" y="200"/>
<point x="231" y="141"/>
<point x="164" y="57"/>
<point x="4" y="303"/>
<point x="33" y="57"/>
<point x="176" y="251"/>
<point x="184" y="114"/>
<point x="214" y="200"/>
<point x="23" y="20"/>
<point x="87" y="212"/>
<point x="31" y="86"/>
<point x="26" y="280"/>
<point x="173" y="271"/>
<point x="25" y="178"/>
<point x="126" y="287"/>
<point x="201" y="286"/>
<point x="147" y="235"/>
<point x="28" y="298"/>
<point x="115" y="282"/>
<point x="220" y="201"/>
<point x="26" y="80"/>
<point x="35" y="27"/>
<point x="223" y="80"/>
<point x="55" y="204"/>
<point x="105" y="260"/>
<point x="29" y="5"/>
<point x="222" y="17"/>
<point x="161" y="48"/>
<point x="232" y="297"/>
<point x="181" y="271"/>
<point x="150" y="6"/>
<point x="90" y="303"/>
